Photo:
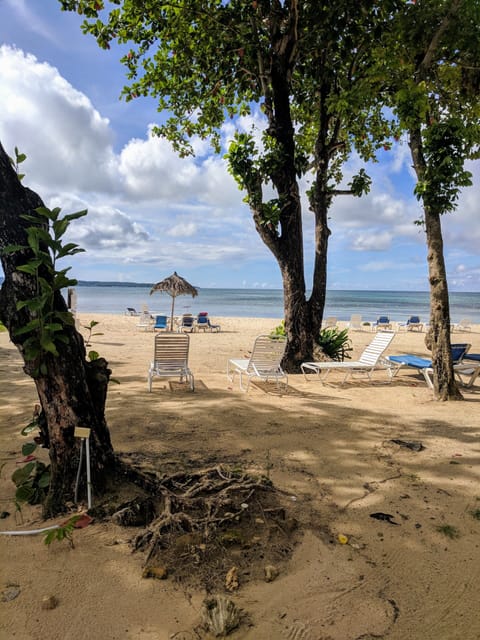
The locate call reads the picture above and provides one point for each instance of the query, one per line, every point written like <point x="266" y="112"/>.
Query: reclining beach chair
<point x="382" y="324"/>
<point x="329" y="322"/>
<point x="145" y="321"/>
<point x="203" y="323"/>
<point x="264" y="363"/>
<point x="170" y="358"/>
<point x="370" y="360"/>
<point x="131" y="311"/>
<point x="412" y="324"/>
<point x="187" y="323"/>
<point x="356" y="322"/>
<point x="160" y="323"/>
<point x="461" y="368"/>
<point x="464" y="325"/>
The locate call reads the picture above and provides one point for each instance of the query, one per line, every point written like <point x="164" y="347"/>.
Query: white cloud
<point x="67" y="142"/>
<point x="372" y="241"/>
<point x="183" y="230"/>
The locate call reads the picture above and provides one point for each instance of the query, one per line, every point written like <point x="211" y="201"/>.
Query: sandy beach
<point x="328" y="447"/>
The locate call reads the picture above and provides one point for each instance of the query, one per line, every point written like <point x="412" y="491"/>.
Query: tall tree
<point x="71" y="390"/>
<point x="305" y="64"/>
<point x="434" y="81"/>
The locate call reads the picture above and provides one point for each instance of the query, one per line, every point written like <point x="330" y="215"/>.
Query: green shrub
<point x="335" y="343"/>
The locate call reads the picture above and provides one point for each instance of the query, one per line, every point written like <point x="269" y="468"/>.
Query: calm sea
<point x="268" y="303"/>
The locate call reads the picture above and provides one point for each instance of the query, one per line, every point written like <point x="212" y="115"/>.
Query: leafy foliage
<point x="33" y="479"/>
<point x="46" y="329"/>
<point x="89" y="327"/>
<point x="15" y="162"/>
<point x="335" y="343"/>
<point x="62" y="532"/>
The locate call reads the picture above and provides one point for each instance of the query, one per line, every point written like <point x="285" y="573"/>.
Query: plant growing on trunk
<point x="71" y="390"/>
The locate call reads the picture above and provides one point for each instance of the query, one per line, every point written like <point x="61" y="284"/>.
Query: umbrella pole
<point x="171" y="314"/>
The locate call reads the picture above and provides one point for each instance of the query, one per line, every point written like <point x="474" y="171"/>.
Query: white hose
<point x="29" y="533"/>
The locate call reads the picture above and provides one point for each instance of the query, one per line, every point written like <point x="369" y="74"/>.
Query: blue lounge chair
<point x="160" y="323"/>
<point x="412" y="324"/>
<point x="383" y="323"/>
<point x="203" y="323"/>
<point x="461" y="368"/>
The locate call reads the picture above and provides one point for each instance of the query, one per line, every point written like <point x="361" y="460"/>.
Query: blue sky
<point x="151" y="213"/>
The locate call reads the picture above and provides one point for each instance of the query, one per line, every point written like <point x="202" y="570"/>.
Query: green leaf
<point x="48" y="345"/>
<point x="21" y="475"/>
<point x="28" y="447"/>
<point x="93" y="355"/>
<point x="32" y="426"/>
<point x="31" y="326"/>
<point x="44" y="481"/>
<point x="30" y="268"/>
<point x="24" y="493"/>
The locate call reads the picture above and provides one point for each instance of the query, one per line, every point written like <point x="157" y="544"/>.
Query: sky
<point x="152" y="213"/>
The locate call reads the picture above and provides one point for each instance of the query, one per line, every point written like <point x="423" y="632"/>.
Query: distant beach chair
<point x="329" y="322"/>
<point x="464" y="325"/>
<point x="382" y="324"/>
<point x="264" y="363"/>
<point x="131" y="312"/>
<point x="170" y="358"/>
<point x="412" y="324"/>
<point x="145" y="322"/>
<point x="461" y="368"/>
<point x="355" y="323"/>
<point x="187" y="323"/>
<point x="203" y="323"/>
<point x="161" y="323"/>
<point x="370" y="360"/>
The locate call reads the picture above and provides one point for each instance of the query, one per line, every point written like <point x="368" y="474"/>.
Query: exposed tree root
<point x="209" y="520"/>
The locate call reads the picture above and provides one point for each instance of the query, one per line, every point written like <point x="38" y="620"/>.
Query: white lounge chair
<point x="170" y="358"/>
<point x="464" y="325"/>
<point x="145" y="321"/>
<point x="264" y="363"/>
<point x="356" y="323"/>
<point x="370" y="360"/>
<point x="329" y="322"/>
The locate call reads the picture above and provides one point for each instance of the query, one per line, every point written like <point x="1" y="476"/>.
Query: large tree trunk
<point x="72" y="392"/>
<point x="438" y="337"/>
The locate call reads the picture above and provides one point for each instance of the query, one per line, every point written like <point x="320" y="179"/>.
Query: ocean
<point x="103" y="297"/>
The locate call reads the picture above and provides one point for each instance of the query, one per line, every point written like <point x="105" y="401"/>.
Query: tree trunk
<point x="72" y="392"/>
<point x="438" y="337"/>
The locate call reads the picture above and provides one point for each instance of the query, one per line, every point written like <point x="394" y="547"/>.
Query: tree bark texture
<point x="73" y="391"/>
<point x="438" y="337"/>
<point x="303" y="317"/>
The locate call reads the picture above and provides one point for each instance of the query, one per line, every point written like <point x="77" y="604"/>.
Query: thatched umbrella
<point x="175" y="286"/>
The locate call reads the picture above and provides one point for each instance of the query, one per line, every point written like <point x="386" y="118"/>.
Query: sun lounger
<point x="264" y="363"/>
<point x="131" y="312"/>
<point x="370" y="360"/>
<point x="170" y="358"/>
<point x="412" y="324"/>
<point x="382" y="324"/>
<point x="465" y="372"/>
